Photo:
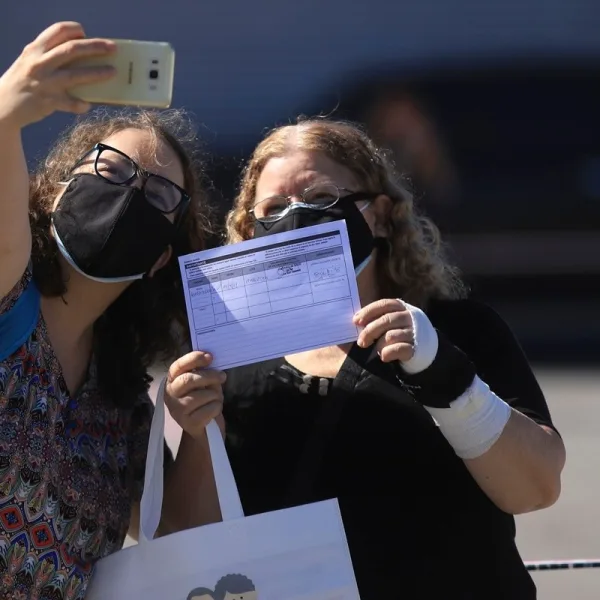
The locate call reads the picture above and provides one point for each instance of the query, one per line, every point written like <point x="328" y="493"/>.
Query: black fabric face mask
<point x="109" y="232"/>
<point x="359" y="232"/>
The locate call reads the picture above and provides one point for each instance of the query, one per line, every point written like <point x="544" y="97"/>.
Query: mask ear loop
<point x="68" y="182"/>
<point x="367" y="260"/>
<point x="383" y="244"/>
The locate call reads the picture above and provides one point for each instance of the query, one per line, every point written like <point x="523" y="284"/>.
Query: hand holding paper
<point x="193" y="392"/>
<point x="387" y="324"/>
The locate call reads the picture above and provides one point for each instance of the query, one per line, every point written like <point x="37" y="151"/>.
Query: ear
<point x="382" y="208"/>
<point x="164" y="258"/>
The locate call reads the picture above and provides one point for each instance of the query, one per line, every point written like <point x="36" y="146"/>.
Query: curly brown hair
<point x="147" y="322"/>
<point x="413" y="266"/>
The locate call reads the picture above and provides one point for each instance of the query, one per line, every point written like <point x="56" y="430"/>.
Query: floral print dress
<point x="70" y="467"/>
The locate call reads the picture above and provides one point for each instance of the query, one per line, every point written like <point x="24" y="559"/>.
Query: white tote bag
<point x="292" y="554"/>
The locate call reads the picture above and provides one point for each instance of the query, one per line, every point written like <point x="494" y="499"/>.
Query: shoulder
<point x="467" y="310"/>
<point x="488" y="342"/>
<point x="483" y="335"/>
<point x="19" y="314"/>
<point x="469" y="323"/>
<point x="7" y="303"/>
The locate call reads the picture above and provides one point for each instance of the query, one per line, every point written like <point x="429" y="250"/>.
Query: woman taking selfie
<point x="432" y="430"/>
<point x="89" y="294"/>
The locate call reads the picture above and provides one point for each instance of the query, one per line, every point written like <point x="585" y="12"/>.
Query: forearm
<point x="15" y="240"/>
<point x="521" y="471"/>
<point x="190" y="497"/>
<point x="515" y="461"/>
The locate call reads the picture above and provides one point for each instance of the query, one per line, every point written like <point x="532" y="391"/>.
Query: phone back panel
<point x="144" y="76"/>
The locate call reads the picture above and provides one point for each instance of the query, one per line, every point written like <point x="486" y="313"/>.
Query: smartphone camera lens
<point x="153" y="74"/>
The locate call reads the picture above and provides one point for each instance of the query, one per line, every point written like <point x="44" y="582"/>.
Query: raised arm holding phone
<point x="89" y="293"/>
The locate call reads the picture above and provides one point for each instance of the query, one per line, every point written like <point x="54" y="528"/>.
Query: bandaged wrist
<point x="474" y="421"/>
<point x="438" y="372"/>
<point x="425" y="341"/>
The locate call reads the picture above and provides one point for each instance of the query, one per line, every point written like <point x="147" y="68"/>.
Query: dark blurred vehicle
<point x="506" y="159"/>
<point x="518" y="148"/>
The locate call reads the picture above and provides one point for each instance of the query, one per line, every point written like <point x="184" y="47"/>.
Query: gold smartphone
<point x="144" y="76"/>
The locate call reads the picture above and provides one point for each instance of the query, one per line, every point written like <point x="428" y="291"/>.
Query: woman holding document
<point x="431" y="430"/>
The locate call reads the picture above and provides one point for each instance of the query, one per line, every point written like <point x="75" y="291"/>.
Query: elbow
<point x="549" y="486"/>
<point x="544" y="496"/>
<point x="544" y="481"/>
<point x="551" y="494"/>
<point x="542" y="492"/>
<point x="535" y="499"/>
<point x="552" y="485"/>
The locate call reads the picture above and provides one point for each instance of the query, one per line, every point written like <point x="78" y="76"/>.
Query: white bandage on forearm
<point x="474" y="421"/>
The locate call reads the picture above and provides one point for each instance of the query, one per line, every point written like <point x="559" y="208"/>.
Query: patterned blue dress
<point x="70" y="467"/>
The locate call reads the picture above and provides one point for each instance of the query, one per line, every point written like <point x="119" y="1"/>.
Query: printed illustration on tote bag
<point x="230" y="587"/>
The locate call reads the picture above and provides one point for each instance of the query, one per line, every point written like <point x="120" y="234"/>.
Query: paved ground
<point x="570" y="529"/>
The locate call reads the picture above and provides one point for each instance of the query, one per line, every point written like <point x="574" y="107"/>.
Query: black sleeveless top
<point x="417" y="524"/>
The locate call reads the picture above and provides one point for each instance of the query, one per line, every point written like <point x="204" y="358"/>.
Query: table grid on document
<point x="268" y="287"/>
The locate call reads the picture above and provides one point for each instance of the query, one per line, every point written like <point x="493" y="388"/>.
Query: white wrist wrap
<point x="474" y="421"/>
<point x="425" y="342"/>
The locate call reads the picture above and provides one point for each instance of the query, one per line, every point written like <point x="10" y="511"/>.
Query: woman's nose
<point x="139" y="181"/>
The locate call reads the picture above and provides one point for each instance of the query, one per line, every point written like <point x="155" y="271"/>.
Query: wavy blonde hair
<point x="414" y="267"/>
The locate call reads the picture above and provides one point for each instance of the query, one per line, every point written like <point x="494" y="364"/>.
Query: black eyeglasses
<point x="317" y="197"/>
<point x="118" y="168"/>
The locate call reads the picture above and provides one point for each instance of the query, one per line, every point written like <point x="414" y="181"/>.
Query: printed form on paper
<point x="272" y="296"/>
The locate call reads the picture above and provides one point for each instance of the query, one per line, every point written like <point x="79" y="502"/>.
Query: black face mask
<point x="109" y="232"/>
<point x="359" y="232"/>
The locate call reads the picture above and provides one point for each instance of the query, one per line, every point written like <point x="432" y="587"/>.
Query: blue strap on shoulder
<point x="18" y="323"/>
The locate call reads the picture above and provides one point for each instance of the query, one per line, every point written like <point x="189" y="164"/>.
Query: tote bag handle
<point x="152" y="496"/>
